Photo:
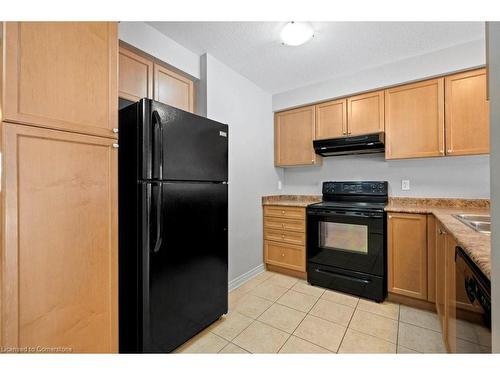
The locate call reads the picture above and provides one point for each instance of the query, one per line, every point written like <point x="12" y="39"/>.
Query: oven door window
<point x="340" y="236"/>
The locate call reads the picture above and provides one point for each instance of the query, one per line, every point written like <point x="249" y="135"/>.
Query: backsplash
<point x="451" y="177"/>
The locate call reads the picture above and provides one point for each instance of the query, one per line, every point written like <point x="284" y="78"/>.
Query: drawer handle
<point x="283" y="226"/>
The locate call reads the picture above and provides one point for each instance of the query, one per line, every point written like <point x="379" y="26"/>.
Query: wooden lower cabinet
<point x="407" y="255"/>
<point x="285" y="239"/>
<point x="59" y="245"/>
<point x="431" y="258"/>
<point x="440" y="239"/>
<point x="450" y="308"/>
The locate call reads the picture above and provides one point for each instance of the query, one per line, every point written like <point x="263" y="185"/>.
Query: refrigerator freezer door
<point x="194" y="148"/>
<point x="181" y="146"/>
<point x="185" y="262"/>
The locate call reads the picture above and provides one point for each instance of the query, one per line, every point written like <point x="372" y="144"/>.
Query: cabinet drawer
<point x="294" y="225"/>
<point x="295" y="238"/>
<point x="285" y="211"/>
<point x="284" y="255"/>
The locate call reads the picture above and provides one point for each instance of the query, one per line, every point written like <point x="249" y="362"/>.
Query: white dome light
<point x="296" y="33"/>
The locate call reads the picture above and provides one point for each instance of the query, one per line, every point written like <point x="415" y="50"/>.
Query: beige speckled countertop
<point x="290" y="200"/>
<point x="476" y="245"/>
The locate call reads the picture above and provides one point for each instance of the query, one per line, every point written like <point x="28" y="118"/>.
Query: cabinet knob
<point x="283" y="254"/>
<point x="115" y="130"/>
<point x="312" y="161"/>
<point x="282" y="212"/>
<point x="283" y="226"/>
<point x="115" y="145"/>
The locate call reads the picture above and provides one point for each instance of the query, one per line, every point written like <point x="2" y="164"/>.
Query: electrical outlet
<point x="405" y="184"/>
<point x="280" y="185"/>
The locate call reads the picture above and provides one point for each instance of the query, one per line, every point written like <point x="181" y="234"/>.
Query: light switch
<point x="280" y="185"/>
<point x="405" y="184"/>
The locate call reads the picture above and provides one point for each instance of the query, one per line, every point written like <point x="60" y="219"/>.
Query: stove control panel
<point x="355" y="188"/>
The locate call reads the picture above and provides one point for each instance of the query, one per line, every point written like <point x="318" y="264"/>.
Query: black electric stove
<point x="346" y="239"/>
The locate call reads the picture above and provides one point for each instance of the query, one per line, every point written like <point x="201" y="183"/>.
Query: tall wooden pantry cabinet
<point x="59" y="266"/>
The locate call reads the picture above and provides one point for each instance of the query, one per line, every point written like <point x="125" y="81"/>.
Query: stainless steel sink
<point x="480" y="223"/>
<point x="471" y="217"/>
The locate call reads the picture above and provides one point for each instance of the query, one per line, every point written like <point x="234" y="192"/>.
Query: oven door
<point x="351" y="240"/>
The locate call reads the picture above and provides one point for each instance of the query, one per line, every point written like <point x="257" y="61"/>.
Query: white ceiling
<point x="255" y="51"/>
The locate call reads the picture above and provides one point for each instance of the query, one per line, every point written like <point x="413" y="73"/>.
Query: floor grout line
<point x="255" y="319"/>
<point x="308" y="313"/>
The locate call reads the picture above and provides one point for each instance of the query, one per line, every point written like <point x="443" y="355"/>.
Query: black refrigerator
<point x="173" y="218"/>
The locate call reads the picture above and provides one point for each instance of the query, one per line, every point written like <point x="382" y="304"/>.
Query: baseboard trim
<point x="233" y="284"/>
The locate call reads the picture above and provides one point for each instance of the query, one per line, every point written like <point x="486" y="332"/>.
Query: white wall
<point x="234" y="100"/>
<point x="494" y="77"/>
<point x="447" y="60"/>
<point x="464" y="177"/>
<point x="151" y="41"/>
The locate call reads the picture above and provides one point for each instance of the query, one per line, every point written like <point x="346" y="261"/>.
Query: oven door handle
<point x="345" y="213"/>
<point x="345" y="277"/>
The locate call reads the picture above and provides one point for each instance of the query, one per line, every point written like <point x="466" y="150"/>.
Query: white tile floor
<point x="274" y="313"/>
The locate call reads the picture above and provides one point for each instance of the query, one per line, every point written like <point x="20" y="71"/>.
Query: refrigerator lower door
<point x="184" y="262"/>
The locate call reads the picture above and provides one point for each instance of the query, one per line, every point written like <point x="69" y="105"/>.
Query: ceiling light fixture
<point x="296" y="33"/>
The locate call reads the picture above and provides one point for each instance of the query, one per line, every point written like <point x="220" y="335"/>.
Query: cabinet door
<point x="62" y="75"/>
<point x="467" y="114"/>
<point x="414" y="120"/>
<point x="366" y="113"/>
<point x="59" y="251"/>
<point x="173" y="89"/>
<point x="293" y="135"/>
<point x="285" y="255"/>
<point x="407" y="255"/>
<point x="135" y="76"/>
<point x="331" y="119"/>
<point x="431" y="258"/>
<point x="440" y="238"/>
<point x="450" y="295"/>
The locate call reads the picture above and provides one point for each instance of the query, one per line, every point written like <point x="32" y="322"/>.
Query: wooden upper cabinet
<point x="173" y="89"/>
<point x="135" y="76"/>
<point x="294" y="132"/>
<point x="60" y="250"/>
<point x="331" y="119"/>
<point x="366" y="113"/>
<point x="467" y="114"/>
<point x="414" y="120"/>
<point x="407" y="255"/>
<point x="62" y="75"/>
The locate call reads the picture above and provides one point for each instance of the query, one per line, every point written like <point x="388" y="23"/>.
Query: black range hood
<point x="359" y="144"/>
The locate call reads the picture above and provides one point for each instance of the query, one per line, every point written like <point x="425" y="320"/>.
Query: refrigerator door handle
<point x="157" y="146"/>
<point x="158" y="206"/>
